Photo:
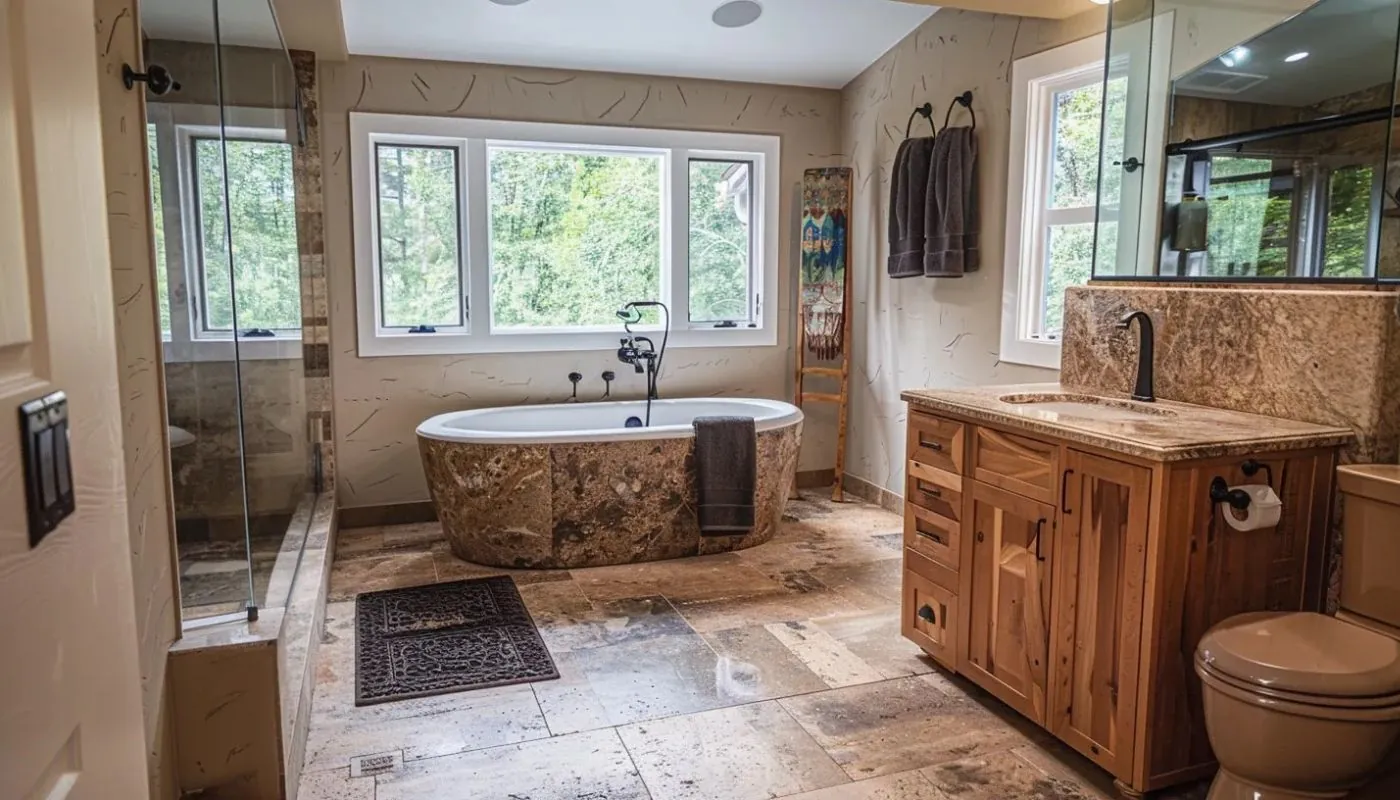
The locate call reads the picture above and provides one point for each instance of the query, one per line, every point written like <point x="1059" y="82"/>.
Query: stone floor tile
<point x="756" y="666"/>
<point x="452" y="568"/>
<point x="334" y="785"/>
<point x="825" y="655"/>
<point x="351" y="542"/>
<point x="415" y="536"/>
<point x="900" y="786"/>
<point x="881" y="578"/>
<point x="897" y="725"/>
<point x="739" y="612"/>
<point x="996" y="776"/>
<point x="739" y="753"/>
<point x="581" y="766"/>
<point x="353" y="576"/>
<point x="874" y="637"/>
<point x="712" y="577"/>
<point x="569" y="626"/>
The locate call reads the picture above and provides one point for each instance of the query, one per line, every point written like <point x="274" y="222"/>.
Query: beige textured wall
<point x="141" y="380"/>
<point x="920" y="332"/>
<point x="379" y="401"/>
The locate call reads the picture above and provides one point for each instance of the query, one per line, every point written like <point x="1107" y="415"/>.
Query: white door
<point x="70" y="709"/>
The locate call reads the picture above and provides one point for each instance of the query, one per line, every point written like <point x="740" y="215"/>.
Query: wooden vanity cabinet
<point x="1073" y="583"/>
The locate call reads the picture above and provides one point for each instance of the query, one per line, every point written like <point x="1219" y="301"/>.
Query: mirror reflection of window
<point x="1272" y="133"/>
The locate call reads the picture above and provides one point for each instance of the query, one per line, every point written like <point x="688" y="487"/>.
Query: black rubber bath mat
<point x="447" y="637"/>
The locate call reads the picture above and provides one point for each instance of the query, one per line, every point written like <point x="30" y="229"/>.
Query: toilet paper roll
<point x="1265" y="509"/>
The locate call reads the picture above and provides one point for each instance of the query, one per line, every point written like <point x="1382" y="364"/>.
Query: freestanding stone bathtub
<point x="564" y="486"/>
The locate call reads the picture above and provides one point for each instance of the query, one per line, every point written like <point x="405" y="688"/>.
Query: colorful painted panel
<point x="826" y="197"/>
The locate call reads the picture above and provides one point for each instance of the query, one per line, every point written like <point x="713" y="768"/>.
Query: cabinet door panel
<point x="1008" y="597"/>
<point x="1100" y="563"/>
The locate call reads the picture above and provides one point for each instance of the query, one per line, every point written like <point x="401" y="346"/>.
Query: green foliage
<point x="719" y="242"/>
<point x="419" y="236"/>
<point x="158" y="234"/>
<point x="1348" y="222"/>
<point x="573" y="236"/>
<point x="262" y="276"/>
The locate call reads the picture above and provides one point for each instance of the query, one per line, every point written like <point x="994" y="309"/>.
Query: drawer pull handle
<point x="1039" y="528"/>
<point x="934" y="446"/>
<point x="937" y="537"/>
<point x="1064" y="491"/>
<point x="931" y="492"/>
<point x="926" y="614"/>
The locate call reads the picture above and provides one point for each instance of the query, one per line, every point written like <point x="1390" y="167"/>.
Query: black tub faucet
<point x="1143" y="391"/>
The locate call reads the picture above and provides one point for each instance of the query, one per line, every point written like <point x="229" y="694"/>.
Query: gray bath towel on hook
<point x="726" y="474"/>
<point x="951" y="242"/>
<point x="911" y="204"/>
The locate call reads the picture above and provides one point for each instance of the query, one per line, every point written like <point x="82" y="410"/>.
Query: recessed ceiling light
<point x="1100" y="2"/>
<point x="510" y="2"/>
<point x="1297" y="57"/>
<point x="1236" y="56"/>
<point x="737" y="13"/>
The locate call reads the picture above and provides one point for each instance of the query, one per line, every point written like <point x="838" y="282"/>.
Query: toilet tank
<point x="1370" y="496"/>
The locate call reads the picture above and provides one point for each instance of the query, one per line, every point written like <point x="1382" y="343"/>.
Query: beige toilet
<point x="1302" y="705"/>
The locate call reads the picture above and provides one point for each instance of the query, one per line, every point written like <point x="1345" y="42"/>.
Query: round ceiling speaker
<point x="737" y="13"/>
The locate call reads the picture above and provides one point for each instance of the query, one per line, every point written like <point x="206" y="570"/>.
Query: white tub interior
<point x="600" y="422"/>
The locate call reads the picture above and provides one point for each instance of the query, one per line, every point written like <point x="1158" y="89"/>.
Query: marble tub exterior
<point x="559" y="506"/>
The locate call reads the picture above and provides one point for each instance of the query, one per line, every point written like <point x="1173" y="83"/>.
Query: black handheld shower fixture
<point x="640" y="351"/>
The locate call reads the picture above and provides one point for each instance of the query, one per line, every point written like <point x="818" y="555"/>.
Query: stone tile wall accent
<point x="1330" y="357"/>
<point x="586" y="505"/>
<point x="315" y="327"/>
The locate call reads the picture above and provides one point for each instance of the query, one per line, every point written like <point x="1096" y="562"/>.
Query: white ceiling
<point x="1351" y="46"/>
<point x="821" y="43"/>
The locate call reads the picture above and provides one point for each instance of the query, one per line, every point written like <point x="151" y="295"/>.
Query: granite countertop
<point x="1160" y="431"/>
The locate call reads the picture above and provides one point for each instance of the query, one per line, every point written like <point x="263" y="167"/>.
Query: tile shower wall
<point x="936" y="332"/>
<point x="379" y="401"/>
<point x="311" y="245"/>
<point x="117" y="40"/>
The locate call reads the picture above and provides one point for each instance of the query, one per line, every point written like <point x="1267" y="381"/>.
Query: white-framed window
<point x="211" y="298"/>
<point x="480" y="236"/>
<point x="1056" y="113"/>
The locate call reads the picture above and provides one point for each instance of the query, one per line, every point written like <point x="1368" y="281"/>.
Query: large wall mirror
<point x="1250" y="140"/>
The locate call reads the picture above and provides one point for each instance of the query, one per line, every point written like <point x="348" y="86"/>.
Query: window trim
<point x="473" y="136"/>
<point x="1035" y="79"/>
<point x="177" y="126"/>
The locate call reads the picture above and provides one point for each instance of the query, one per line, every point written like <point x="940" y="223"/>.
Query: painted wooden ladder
<point x="842" y="398"/>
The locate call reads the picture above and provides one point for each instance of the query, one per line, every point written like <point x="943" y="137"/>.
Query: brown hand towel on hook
<point x="951" y="241"/>
<point x="910" y="202"/>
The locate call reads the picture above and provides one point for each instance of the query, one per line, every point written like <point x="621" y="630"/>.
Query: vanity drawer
<point x="932" y="535"/>
<point x="929" y="618"/>
<point x="936" y="442"/>
<point x="1020" y="464"/>
<point x="934" y="489"/>
<point x="931" y="570"/>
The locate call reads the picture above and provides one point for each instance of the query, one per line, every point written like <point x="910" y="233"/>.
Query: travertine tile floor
<point x="773" y="672"/>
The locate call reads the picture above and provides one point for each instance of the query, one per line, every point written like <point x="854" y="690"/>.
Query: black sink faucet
<point x="1143" y="391"/>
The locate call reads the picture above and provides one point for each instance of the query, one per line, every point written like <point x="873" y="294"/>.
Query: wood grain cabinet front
<point x="1006" y="580"/>
<point x="1073" y="583"/>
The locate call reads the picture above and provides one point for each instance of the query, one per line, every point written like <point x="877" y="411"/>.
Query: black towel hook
<point x="925" y="111"/>
<point x="964" y="100"/>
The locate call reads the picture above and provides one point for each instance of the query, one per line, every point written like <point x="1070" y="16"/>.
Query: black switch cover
<point x="48" y="475"/>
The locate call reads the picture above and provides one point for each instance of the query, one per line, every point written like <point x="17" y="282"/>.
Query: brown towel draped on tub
<point x="951" y="243"/>
<point x="910" y="201"/>
<point x="726" y="473"/>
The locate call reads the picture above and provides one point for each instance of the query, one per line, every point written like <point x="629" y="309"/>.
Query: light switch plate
<point x="48" y="472"/>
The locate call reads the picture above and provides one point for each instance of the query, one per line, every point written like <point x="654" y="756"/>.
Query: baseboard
<point x="816" y="478"/>
<point x="396" y="514"/>
<point x="871" y="493"/>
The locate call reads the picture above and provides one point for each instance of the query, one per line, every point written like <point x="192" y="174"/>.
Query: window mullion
<point x="476" y="268"/>
<point x="675" y="262"/>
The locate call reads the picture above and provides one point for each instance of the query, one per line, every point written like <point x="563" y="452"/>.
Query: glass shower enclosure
<point x="226" y="244"/>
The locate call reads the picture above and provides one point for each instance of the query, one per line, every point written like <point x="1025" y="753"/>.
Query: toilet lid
<point x="1305" y="653"/>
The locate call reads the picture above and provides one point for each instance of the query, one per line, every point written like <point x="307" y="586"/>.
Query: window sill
<point x="256" y="349"/>
<point x="1031" y="353"/>
<point x="411" y="344"/>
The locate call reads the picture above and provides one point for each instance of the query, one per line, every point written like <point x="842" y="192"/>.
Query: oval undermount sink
<point x="1087" y="406"/>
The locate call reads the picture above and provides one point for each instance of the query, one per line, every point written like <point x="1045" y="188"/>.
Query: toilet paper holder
<point x="1220" y="492"/>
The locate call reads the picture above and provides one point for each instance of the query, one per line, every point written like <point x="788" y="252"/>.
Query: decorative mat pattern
<point x="446" y="637"/>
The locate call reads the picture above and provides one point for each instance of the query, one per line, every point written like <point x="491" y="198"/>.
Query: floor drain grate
<point x="361" y="766"/>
